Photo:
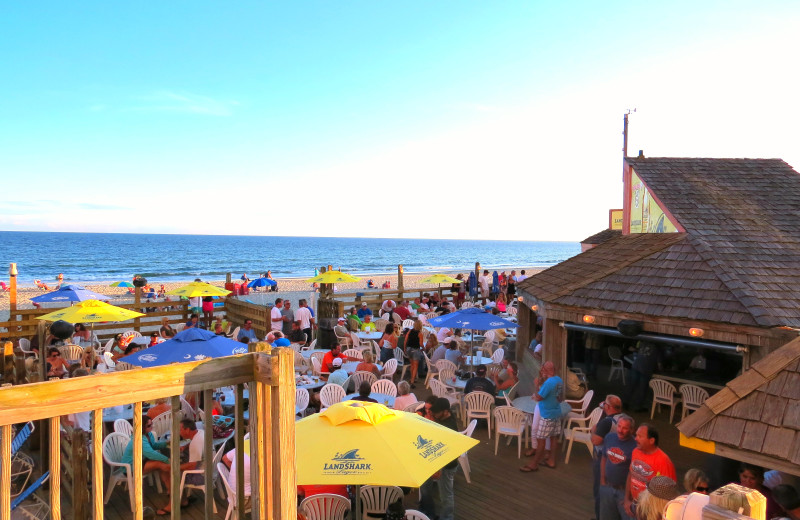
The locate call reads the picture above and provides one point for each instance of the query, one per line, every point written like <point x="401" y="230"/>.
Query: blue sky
<point x="393" y="119"/>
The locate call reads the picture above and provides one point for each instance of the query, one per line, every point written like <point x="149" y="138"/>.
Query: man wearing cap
<point x="615" y="463"/>
<point x="338" y="376"/>
<point x="364" y="311"/>
<point x="479" y="383"/>
<point x="440" y="411"/>
<point x="340" y="329"/>
<point x="786" y="497"/>
<point x="332" y="355"/>
<point x="275" y="315"/>
<point x="647" y="461"/>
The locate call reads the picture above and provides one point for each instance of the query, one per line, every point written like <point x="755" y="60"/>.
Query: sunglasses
<point x="701" y="489"/>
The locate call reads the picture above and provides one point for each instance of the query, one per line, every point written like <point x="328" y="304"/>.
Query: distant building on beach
<point x="707" y="268"/>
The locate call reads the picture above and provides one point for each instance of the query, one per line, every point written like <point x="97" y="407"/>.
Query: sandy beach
<point x="291" y="288"/>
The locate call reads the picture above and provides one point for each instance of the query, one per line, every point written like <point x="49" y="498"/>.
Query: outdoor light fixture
<point x="12" y="270"/>
<point x="534" y="307"/>
<point x="588" y="318"/>
<point x="697" y="333"/>
<point x="519" y="299"/>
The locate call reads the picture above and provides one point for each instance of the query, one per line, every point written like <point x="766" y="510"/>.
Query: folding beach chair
<point x="35" y="508"/>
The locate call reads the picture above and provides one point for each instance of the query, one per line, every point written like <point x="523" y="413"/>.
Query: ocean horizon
<point x="108" y="257"/>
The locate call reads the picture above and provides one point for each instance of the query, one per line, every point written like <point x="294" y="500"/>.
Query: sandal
<point x="163" y="512"/>
<point x="529" y="469"/>
<point x="531" y="452"/>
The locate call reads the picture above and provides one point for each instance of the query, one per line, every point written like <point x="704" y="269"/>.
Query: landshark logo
<point x="347" y="463"/>
<point x="240" y="350"/>
<point x="148" y="357"/>
<point x="428" y="449"/>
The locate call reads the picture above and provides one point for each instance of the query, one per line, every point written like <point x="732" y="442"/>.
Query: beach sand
<point x="289" y="288"/>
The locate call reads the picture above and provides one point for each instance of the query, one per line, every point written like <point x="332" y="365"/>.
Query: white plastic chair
<point x="663" y="393"/>
<point x="463" y="459"/>
<point x="408" y="324"/>
<point x="201" y="471"/>
<point x="445" y="364"/>
<point x="319" y="356"/>
<point x="188" y="411"/>
<point x="380" y="324"/>
<point x="375" y="500"/>
<point x="109" y="360"/>
<point x="446" y="376"/>
<point x="316" y="366"/>
<point x="413" y="407"/>
<point x="325" y="506"/>
<point x="109" y="344"/>
<point x="301" y="399"/>
<point x="478" y="405"/>
<point x="25" y="347"/>
<point x="432" y="370"/>
<point x="354" y="352"/>
<point x="162" y="424"/>
<point x="579" y="406"/>
<point x="389" y="368"/>
<point x="582" y="433"/>
<point x="124" y="427"/>
<point x="385" y="386"/>
<point x="230" y="493"/>
<point x="617" y="365"/>
<point x="361" y="376"/>
<point x="439" y="389"/>
<point x="511" y="311"/>
<point x="331" y="394"/>
<point x="511" y="422"/>
<point x="401" y="362"/>
<point x="497" y="357"/>
<point x="693" y="398"/>
<point x="71" y="352"/>
<point x="113" y="448"/>
<point x="235" y="334"/>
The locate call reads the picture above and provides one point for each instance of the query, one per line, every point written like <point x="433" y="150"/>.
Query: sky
<point x="415" y="119"/>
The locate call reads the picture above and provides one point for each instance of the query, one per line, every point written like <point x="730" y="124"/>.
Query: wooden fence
<point x="270" y="376"/>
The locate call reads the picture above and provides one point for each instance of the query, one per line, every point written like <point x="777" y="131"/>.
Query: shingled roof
<point x="738" y="262"/>
<point x="599" y="238"/>
<point x="758" y="412"/>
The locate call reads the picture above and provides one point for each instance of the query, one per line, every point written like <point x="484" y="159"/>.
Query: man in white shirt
<point x="443" y="333"/>
<point x="229" y="459"/>
<point x="483" y="282"/>
<point x="276" y="316"/>
<point x="522" y="276"/>
<point x="304" y="318"/>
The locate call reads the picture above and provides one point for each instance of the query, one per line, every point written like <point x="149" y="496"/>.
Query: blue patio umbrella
<point x="69" y="293"/>
<point x="473" y="319"/>
<point x="262" y="282"/>
<point x="495" y="283"/>
<point x="472" y="283"/>
<point x="188" y="345"/>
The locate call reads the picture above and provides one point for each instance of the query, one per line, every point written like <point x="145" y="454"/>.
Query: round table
<point x="316" y="382"/>
<point x="350" y="366"/>
<point x="458" y="384"/>
<point x="525" y="403"/>
<point x="369" y="335"/>
<point x="383" y="399"/>
<point x="475" y="360"/>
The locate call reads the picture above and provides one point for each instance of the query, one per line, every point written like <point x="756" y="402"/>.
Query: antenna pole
<point x="625" y="134"/>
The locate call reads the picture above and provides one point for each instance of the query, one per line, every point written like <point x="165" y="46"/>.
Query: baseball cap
<point x="337" y="362"/>
<point x="441" y="404"/>
<point x="448" y="339"/>
<point x="363" y="304"/>
<point x="282" y="342"/>
<point x="341" y="319"/>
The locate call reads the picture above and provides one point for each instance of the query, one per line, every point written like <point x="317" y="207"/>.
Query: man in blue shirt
<point x="550" y="395"/>
<point x="614" y="467"/>
<point x="363" y="311"/>
<point x="247" y="332"/>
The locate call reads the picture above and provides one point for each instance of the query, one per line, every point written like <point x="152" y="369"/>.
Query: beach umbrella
<point x="188" y="345"/>
<point x="472" y="284"/>
<point x="262" y="282"/>
<point x="333" y="277"/>
<point x="439" y="279"/>
<point x="473" y="319"/>
<point x="121" y="284"/>
<point x="69" y="293"/>
<point x="91" y="311"/>
<point x="360" y="443"/>
<point x="195" y="289"/>
<point x="495" y="283"/>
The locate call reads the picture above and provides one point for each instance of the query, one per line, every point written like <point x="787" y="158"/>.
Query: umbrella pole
<point x="358" y="502"/>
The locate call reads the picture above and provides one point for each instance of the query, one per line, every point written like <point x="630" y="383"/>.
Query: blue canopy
<point x="188" y="345"/>
<point x="262" y="282"/>
<point x="472" y="283"/>
<point x="495" y="283"/>
<point x="69" y="293"/>
<point x="473" y="319"/>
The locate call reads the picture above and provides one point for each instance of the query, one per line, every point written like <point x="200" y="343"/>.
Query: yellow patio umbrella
<point x="440" y="278"/>
<point x="91" y="311"/>
<point x="355" y="442"/>
<point x="333" y="277"/>
<point x="195" y="289"/>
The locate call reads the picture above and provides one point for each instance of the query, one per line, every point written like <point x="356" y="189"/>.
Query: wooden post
<point x="97" y="464"/>
<point x="12" y="294"/>
<point x="138" y="512"/>
<point x="525" y="331"/>
<point x="80" y="475"/>
<point x="55" y="468"/>
<point x="554" y="338"/>
<point x="239" y="445"/>
<point x="44" y="438"/>
<point x="5" y="472"/>
<point x="175" y="458"/>
<point x="20" y="371"/>
<point x="228" y="278"/>
<point x="284" y="493"/>
<point x="208" y="450"/>
<point x="7" y="370"/>
<point x="400" y="284"/>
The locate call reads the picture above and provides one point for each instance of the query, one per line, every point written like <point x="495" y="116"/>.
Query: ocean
<point x="108" y="257"/>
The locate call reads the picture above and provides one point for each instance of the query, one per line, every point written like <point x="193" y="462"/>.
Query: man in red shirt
<point x="647" y="461"/>
<point x="333" y="353"/>
<point x="402" y="310"/>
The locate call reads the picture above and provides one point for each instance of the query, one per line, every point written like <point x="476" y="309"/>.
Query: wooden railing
<point x="270" y="378"/>
<point x="375" y="298"/>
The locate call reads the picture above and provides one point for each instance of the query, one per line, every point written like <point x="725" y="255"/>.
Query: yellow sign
<point x="697" y="444"/>
<point x="646" y="215"/>
<point x="615" y="219"/>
